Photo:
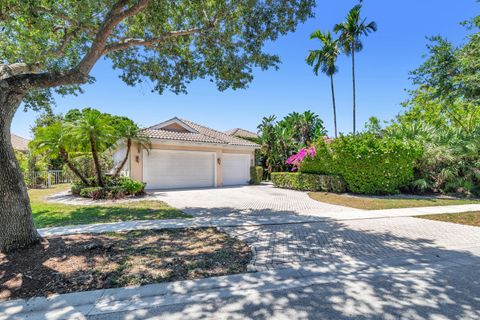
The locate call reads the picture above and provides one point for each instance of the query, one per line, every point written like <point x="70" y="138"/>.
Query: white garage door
<point x="236" y="169"/>
<point x="178" y="169"/>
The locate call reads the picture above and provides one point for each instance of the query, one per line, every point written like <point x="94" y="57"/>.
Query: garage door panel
<point x="178" y="169"/>
<point x="236" y="169"/>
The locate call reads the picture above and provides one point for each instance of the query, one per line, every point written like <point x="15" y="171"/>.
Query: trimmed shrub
<point x="308" y="182"/>
<point x="256" y="175"/>
<point x="93" y="192"/>
<point x="129" y="186"/>
<point x="374" y="165"/>
<point x="116" y="188"/>
<point x="76" y="188"/>
<point x="322" y="163"/>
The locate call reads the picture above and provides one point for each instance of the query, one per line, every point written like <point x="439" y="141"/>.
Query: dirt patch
<point x="84" y="262"/>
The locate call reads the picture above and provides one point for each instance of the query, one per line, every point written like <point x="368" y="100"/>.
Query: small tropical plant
<point x="54" y="142"/>
<point x="93" y="132"/>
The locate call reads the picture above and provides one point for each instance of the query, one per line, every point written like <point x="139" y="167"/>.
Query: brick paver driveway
<point x="328" y="238"/>
<point x="248" y="200"/>
<point x="355" y="242"/>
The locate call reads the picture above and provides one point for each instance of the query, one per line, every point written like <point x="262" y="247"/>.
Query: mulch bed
<point x="63" y="264"/>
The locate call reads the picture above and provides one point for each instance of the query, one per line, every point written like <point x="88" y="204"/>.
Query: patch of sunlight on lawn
<point x="379" y="203"/>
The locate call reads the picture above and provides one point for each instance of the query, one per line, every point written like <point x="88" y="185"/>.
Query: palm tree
<point x="268" y="141"/>
<point x="311" y="127"/>
<point x="130" y="133"/>
<point x="52" y="142"/>
<point x="93" y="131"/>
<point x="324" y="59"/>
<point x="350" y="31"/>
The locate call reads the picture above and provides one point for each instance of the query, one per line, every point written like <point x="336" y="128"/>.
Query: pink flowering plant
<point x="296" y="160"/>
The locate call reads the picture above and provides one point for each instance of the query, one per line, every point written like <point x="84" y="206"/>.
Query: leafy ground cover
<point x="46" y="214"/>
<point x="468" y="218"/>
<point x="379" y="203"/>
<point x="82" y="262"/>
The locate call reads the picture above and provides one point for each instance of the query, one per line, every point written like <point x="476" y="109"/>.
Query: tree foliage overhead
<point x="167" y="42"/>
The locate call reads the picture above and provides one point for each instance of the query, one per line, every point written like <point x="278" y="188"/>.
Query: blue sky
<point x="382" y="74"/>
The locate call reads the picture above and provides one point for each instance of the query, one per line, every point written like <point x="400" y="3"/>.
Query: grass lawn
<point x="379" y="203"/>
<point x="46" y="214"/>
<point x="468" y="218"/>
<point x="72" y="263"/>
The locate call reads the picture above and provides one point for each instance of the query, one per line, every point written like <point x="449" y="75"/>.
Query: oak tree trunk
<point x="16" y="222"/>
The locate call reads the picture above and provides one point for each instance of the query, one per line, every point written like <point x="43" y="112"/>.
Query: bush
<point x="77" y="187"/>
<point x="308" y="182"/>
<point x="129" y="186"/>
<point x="93" y="192"/>
<point x="374" y="165"/>
<point x="132" y="187"/>
<point x="256" y="175"/>
<point x="116" y="188"/>
<point x="322" y="163"/>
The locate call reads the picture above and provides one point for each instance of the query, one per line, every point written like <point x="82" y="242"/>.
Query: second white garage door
<point x="236" y="169"/>
<point x="178" y="169"/>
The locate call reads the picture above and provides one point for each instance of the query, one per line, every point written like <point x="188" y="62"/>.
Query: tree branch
<point x="112" y="19"/>
<point x="130" y="42"/>
<point x="79" y="74"/>
<point x="10" y="70"/>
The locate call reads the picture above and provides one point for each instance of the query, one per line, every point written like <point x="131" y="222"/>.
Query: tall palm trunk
<point x="353" y="82"/>
<point x="124" y="161"/>
<point x="98" y="168"/>
<point x="334" y="107"/>
<point x="16" y="223"/>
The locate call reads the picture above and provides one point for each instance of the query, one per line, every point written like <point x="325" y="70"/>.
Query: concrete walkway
<point x="239" y="220"/>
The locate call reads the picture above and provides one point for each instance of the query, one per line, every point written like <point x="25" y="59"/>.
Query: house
<point x="184" y="154"/>
<point x="19" y="143"/>
<point x="242" y="133"/>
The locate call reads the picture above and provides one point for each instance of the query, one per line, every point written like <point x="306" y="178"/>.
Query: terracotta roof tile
<point x="239" y="132"/>
<point x="19" y="143"/>
<point x="202" y="134"/>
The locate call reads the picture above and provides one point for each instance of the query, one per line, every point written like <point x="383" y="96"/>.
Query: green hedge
<point x="322" y="163"/>
<point x="374" y="165"/>
<point x="308" y="182"/>
<point x="256" y="175"/>
<point x="368" y="163"/>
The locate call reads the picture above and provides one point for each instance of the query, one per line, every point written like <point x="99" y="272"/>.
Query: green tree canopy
<point x="167" y="42"/>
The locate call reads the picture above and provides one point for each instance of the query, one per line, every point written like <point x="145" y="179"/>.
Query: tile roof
<point x="239" y="132"/>
<point x="19" y="143"/>
<point x="202" y="134"/>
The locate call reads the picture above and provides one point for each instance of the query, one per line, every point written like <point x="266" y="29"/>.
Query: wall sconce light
<point x="137" y="158"/>
<point x="219" y="161"/>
